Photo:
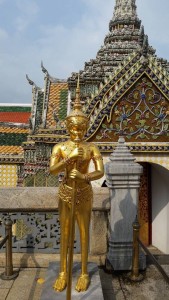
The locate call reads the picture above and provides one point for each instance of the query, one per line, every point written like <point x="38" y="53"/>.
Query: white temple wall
<point x="160" y="208"/>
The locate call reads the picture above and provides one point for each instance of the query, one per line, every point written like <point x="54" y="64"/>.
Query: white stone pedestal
<point x="123" y="179"/>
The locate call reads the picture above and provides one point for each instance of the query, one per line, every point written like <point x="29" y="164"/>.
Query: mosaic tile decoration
<point x="14" y="150"/>
<point x="13" y="130"/>
<point x="8" y="175"/>
<point x="57" y="105"/>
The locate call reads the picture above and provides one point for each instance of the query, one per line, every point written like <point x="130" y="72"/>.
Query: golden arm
<point x="57" y="164"/>
<point x="98" y="162"/>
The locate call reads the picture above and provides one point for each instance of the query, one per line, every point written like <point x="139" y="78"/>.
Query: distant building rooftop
<point x="15" y="113"/>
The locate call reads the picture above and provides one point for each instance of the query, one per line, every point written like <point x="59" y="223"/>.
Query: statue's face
<point x="77" y="128"/>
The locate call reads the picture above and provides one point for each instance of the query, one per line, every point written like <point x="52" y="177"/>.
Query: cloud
<point x="3" y="34"/>
<point x="71" y="47"/>
<point x="21" y="24"/>
<point x="155" y="18"/>
<point x="64" y="48"/>
<point x="27" y="12"/>
<point x="27" y="7"/>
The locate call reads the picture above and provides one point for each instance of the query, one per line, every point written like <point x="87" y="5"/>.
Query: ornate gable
<point x="133" y="103"/>
<point x="49" y="107"/>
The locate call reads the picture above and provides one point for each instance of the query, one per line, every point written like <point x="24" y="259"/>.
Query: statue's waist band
<point x="82" y="194"/>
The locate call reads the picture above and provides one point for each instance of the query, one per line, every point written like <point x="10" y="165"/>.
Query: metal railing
<point x="9" y="272"/>
<point x="135" y="274"/>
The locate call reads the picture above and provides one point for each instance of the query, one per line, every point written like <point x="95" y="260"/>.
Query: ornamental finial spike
<point x="77" y="107"/>
<point x="77" y="104"/>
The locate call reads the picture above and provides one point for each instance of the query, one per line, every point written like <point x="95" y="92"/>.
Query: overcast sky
<point x="63" y="34"/>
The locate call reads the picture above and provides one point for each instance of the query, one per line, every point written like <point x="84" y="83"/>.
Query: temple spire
<point x="125" y="36"/>
<point x="125" y="13"/>
<point x="125" y="9"/>
<point x="77" y="104"/>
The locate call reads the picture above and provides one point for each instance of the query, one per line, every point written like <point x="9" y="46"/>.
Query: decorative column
<point x="123" y="179"/>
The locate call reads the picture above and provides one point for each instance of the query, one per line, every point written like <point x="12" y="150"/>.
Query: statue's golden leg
<point x="64" y="216"/>
<point x="83" y="220"/>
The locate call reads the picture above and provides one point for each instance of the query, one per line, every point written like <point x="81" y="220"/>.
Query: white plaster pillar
<point x="123" y="179"/>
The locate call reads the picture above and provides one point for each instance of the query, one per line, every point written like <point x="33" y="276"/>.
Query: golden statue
<point x="74" y="157"/>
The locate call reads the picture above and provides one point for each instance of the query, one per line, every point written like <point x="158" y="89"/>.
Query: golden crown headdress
<point x="77" y="107"/>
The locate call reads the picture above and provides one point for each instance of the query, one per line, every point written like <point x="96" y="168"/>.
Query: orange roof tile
<point x="13" y="130"/>
<point x="54" y="101"/>
<point x="11" y="150"/>
<point x="15" y="117"/>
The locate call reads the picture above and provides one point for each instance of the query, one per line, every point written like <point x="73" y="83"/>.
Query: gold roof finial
<point x="77" y="107"/>
<point x="77" y="103"/>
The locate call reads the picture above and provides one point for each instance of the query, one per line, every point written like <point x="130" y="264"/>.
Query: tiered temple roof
<point x="125" y="36"/>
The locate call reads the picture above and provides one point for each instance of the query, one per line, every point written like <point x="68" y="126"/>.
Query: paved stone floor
<point x="115" y="287"/>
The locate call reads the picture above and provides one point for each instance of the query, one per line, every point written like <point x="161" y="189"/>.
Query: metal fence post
<point x="9" y="273"/>
<point x="135" y="276"/>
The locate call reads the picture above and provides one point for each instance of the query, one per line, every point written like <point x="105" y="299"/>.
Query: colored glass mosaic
<point x="12" y="139"/>
<point x="8" y="176"/>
